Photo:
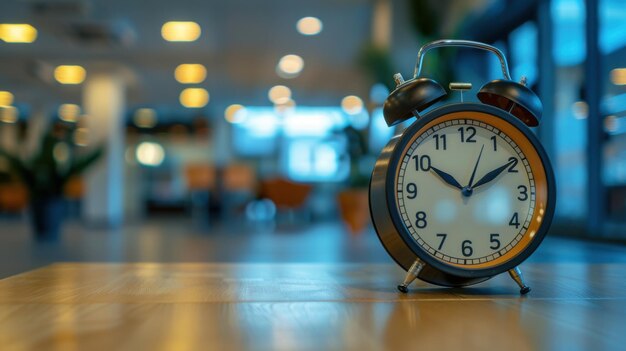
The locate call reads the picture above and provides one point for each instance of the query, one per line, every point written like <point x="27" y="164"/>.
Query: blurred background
<point x="246" y="130"/>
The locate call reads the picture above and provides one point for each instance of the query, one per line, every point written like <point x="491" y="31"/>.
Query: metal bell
<point x="411" y="97"/>
<point x="516" y="98"/>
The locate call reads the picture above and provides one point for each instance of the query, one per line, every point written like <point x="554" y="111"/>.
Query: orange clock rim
<point x="537" y="168"/>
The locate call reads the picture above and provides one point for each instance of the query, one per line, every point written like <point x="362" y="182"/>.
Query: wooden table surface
<point x="191" y="306"/>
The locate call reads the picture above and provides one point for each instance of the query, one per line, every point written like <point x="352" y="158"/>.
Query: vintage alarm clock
<point x="466" y="192"/>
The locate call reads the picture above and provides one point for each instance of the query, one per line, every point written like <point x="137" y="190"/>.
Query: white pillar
<point x="104" y="104"/>
<point x="381" y="24"/>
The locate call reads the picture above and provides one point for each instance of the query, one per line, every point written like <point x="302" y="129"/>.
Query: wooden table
<point x="192" y="306"/>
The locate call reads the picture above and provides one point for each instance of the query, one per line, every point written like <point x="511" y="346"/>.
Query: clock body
<point x="467" y="189"/>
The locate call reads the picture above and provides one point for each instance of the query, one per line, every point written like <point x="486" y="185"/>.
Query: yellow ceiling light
<point x="235" y="114"/>
<point x="194" y="97"/>
<point x="17" y="33"/>
<point x="352" y="105"/>
<point x="69" y="112"/>
<point x="290" y="66"/>
<point x="69" y="74"/>
<point x="8" y="114"/>
<point x="618" y="76"/>
<point x="190" y="73"/>
<point x="6" y="98"/>
<point x="181" y="31"/>
<point x="81" y="136"/>
<point x="279" y="94"/>
<point x="145" y="118"/>
<point x="309" y="26"/>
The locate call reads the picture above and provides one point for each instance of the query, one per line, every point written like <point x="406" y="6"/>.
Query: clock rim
<point x="398" y="223"/>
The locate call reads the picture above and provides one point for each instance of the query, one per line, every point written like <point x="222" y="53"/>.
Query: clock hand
<point x="493" y="174"/>
<point x="475" y="167"/>
<point x="447" y="178"/>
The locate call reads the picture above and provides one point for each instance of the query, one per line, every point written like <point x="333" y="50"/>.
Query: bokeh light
<point x="235" y="113"/>
<point x="17" y="33"/>
<point x="279" y="94"/>
<point x="190" y="73"/>
<point x="290" y="66"/>
<point x="181" y="31"/>
<point x="70" y="74"/>
<point x="194" y="97"/>
<point x="309" y="26"/>
<point x="352" y="104"/>
<point x="150" y="154"/>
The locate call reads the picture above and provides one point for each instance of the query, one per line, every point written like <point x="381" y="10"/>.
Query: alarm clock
<point x="465" y="192"/>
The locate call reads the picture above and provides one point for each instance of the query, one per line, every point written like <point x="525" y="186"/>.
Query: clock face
<point x="470" y="190"/>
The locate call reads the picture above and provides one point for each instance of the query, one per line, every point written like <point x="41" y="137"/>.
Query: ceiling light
<point x="69" y="112"/>
<point x="190" y="73"/>
<point x="194" y="97"/>
<point x="69" y="74"/>
<point x="81" y="136"/>
<point x="150" y="154"/>
<point x="352" y="105"/>
<point x="145" y="118"/>
<point x="618" y="76"/>
<point x="279" y="94"/>
<point x="290" y="66"/>
<point x="309" y="26"/>
<point x="181" y="31"/>
<point x="8" y="114"/>
<point x="235" y="114"/>
<point x="18" y="33"/>
<point x="6" y="98"/>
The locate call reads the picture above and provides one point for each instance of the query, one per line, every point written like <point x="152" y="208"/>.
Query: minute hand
<point x="492" y="175"/>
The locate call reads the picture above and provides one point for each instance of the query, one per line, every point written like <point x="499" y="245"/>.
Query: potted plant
<point x="46" y="173"/>
<point x="353" y="200"/>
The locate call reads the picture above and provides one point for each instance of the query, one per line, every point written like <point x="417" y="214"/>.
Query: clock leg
<point x="516" y="274"/>
<point x="411" y="274"/>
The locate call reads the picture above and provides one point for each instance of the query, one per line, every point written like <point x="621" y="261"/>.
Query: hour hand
<point x="447" y="178"/>
<point x="492" y="175"/>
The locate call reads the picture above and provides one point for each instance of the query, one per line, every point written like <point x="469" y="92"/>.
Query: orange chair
<point x="239" y="177"/>
<point x="13" y="197"/>
<point x="284" y="193"/>
<point x="200" y="176"/>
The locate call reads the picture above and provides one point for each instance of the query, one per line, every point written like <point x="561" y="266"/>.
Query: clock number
<point x="495" y="146"/>
<point x="420" y="220"/>
<point x="443" y="239"/>
<point x="466" y="248"/>
<point x="494" y="239"/>
<point x="411" y="188"/>
<point x="422" y="163"/>
<point x="443" y="141"/>
<point x="523" y="192"/>
<point x="514" y="221"/>
<point x="513" y="161"/>
<point x="471" y="133"/>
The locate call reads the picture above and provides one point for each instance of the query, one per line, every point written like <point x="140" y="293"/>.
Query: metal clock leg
<point x="516" y="274"/>
<point x="411" y="274"/>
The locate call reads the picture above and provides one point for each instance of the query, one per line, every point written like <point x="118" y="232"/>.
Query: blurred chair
<point x="73" y="193"/>
<point x="201" y="180"/>
<point x="239" y="182"/>
<point x="286" y="195"/>
<point x="13" y="197"/>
